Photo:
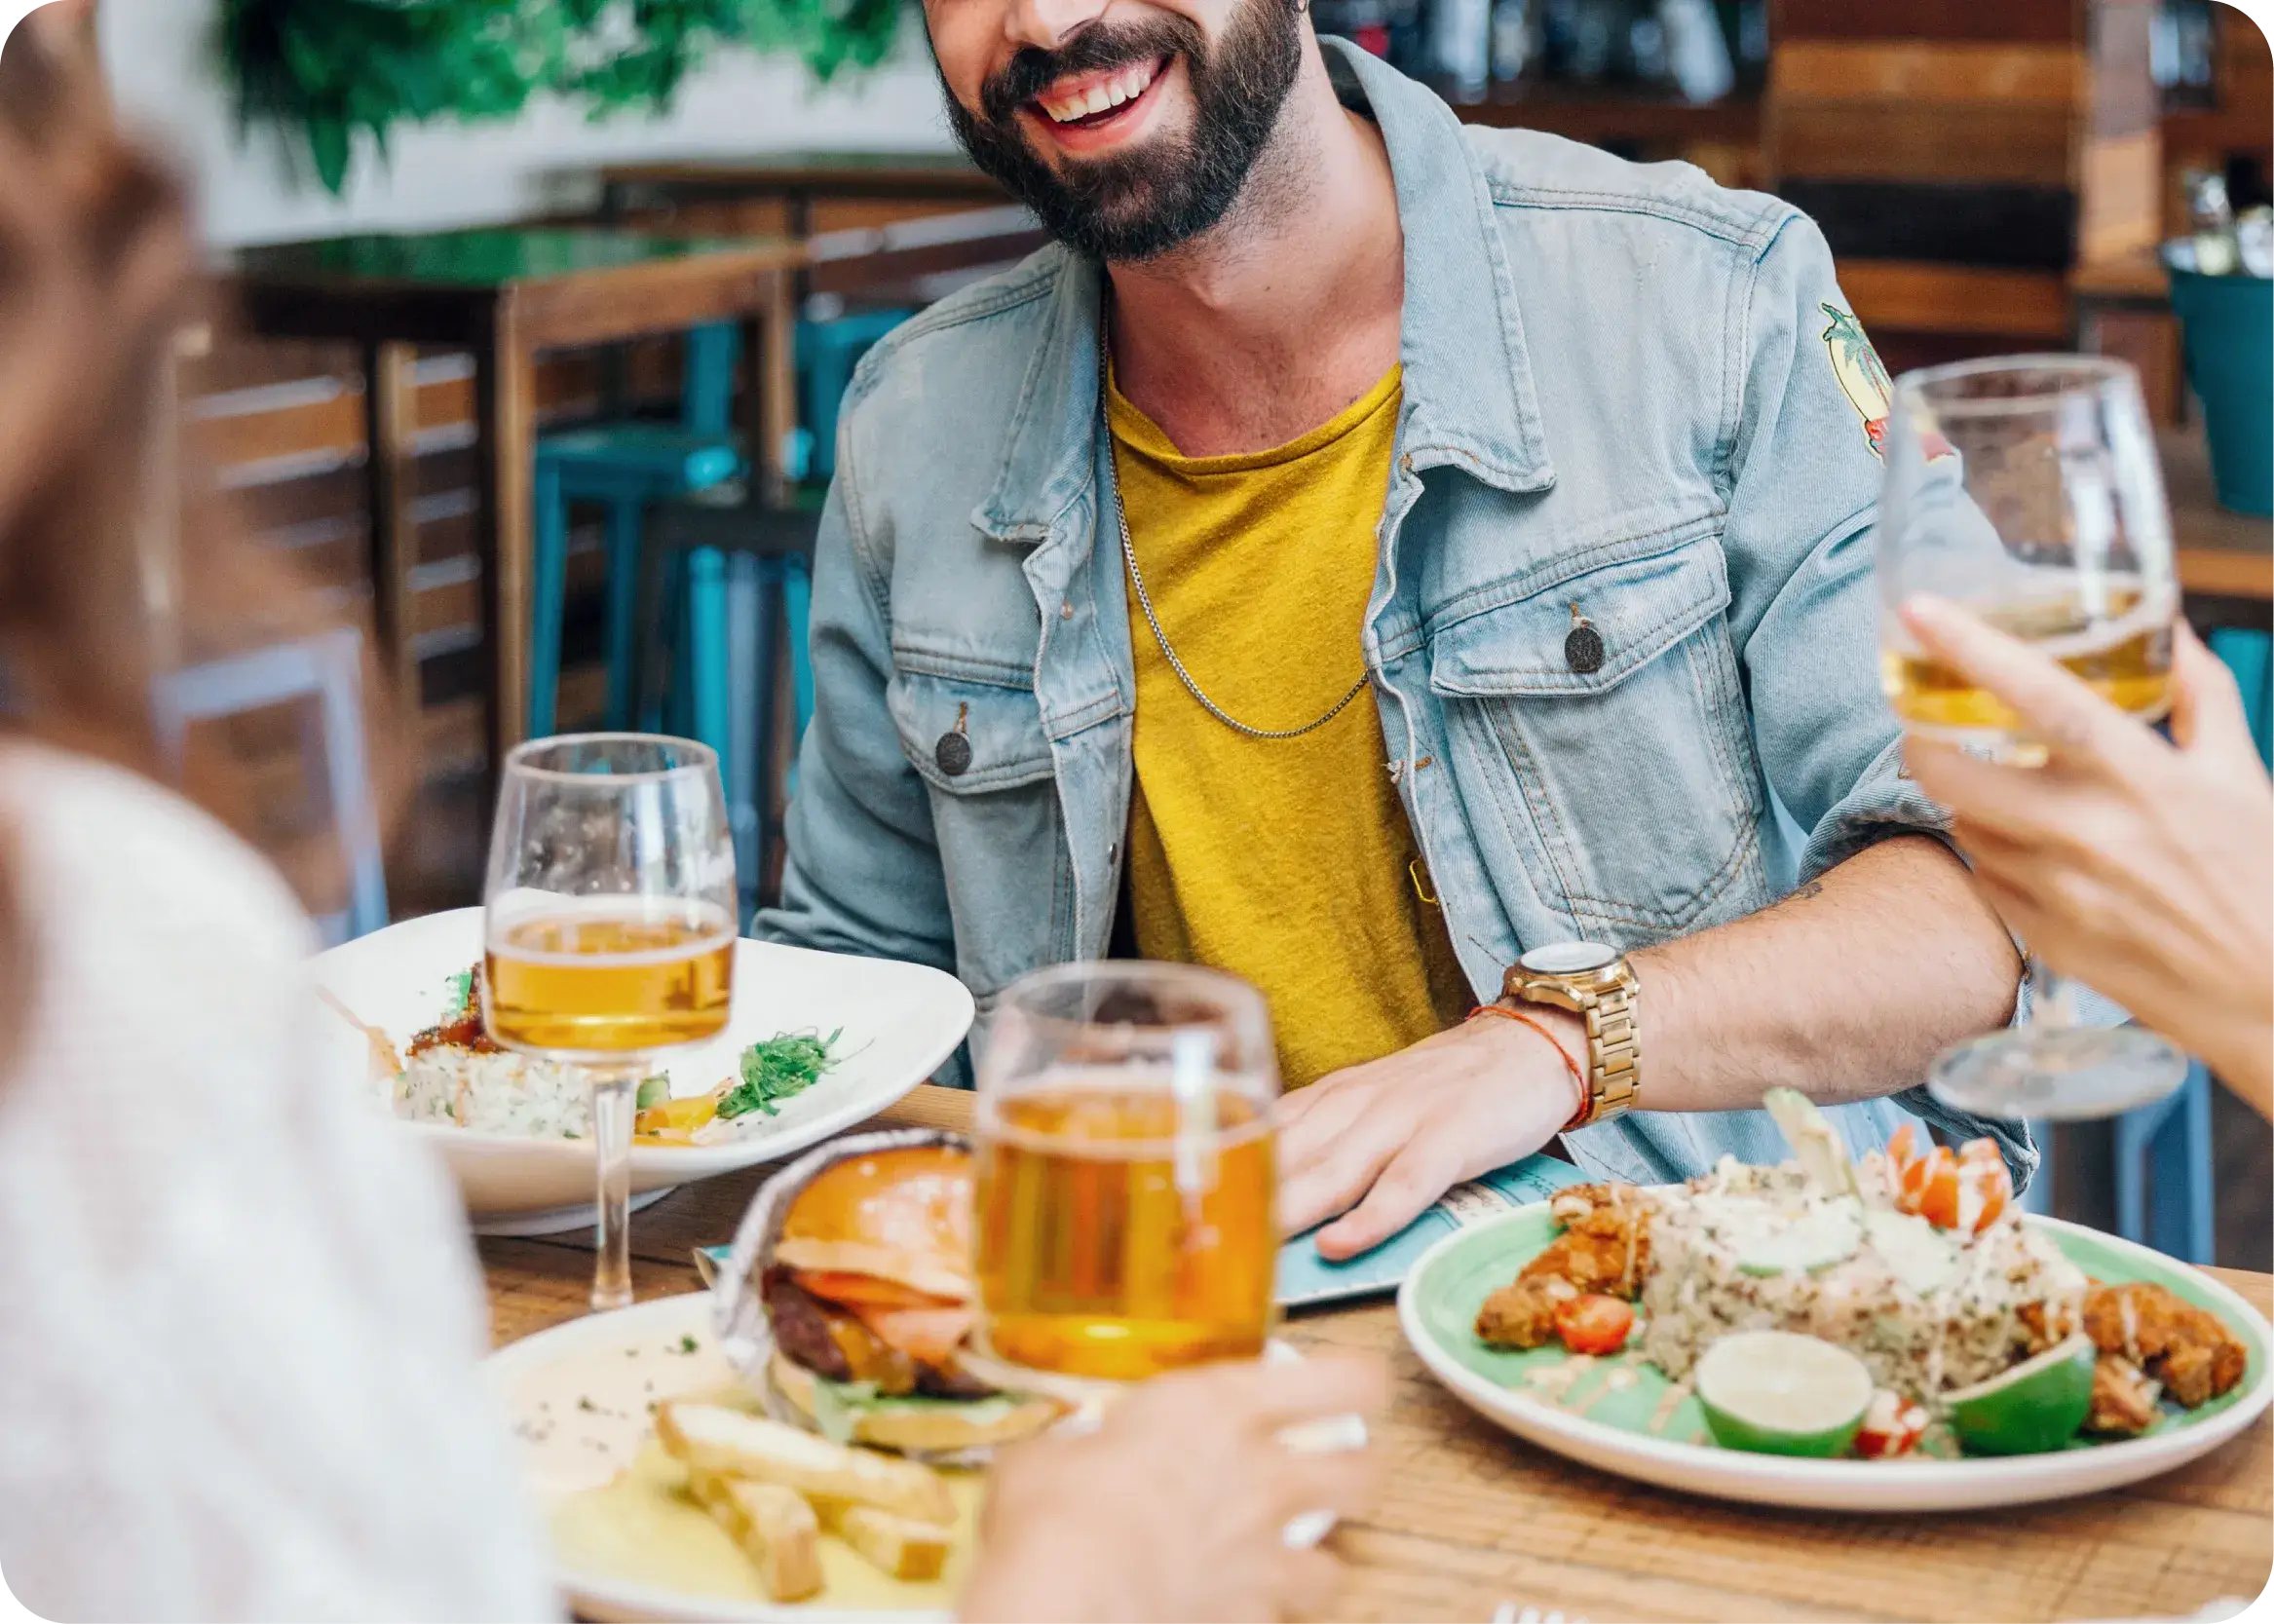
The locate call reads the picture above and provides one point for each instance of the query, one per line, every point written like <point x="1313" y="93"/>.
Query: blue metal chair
<point x="2250" y="655"/>
<point x="828" y="350"/>
<point x="623" y="466"/>
<point x="727" y="584"/>
<point x="327" y="669"/>
<point x="2164" y="1172"/>
<point x="2165" y="1194"/>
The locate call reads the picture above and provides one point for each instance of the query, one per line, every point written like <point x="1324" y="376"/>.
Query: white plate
<point x="612" y="1359"/>
<point x="620" y="1362"/>
<point x="901" y="1022"/>
<point x="1437" y="1292"/>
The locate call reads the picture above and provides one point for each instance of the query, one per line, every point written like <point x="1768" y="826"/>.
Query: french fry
<point x="775" y="1527"/>
<point x="713" y="1438"/>
<point x="899" y="1547"/>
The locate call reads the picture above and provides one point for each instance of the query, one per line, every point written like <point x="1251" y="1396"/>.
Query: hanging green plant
<point x="329" y="68"/>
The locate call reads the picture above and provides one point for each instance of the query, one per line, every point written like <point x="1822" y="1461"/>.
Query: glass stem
<point x="614" y="1091"/>
<point x="2051" y="1007"/>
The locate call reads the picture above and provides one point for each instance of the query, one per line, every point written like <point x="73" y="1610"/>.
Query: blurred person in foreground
<point x="2142" y="867"/>
<point x="239" y="1317"/>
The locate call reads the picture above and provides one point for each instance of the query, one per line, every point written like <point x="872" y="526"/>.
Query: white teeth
<point x="1126" y="86"/>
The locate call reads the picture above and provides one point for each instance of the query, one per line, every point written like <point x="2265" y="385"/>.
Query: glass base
<point x="2058" y="1074"/>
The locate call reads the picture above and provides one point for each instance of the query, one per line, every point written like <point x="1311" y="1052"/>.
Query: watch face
<point x="1568" y="957"/>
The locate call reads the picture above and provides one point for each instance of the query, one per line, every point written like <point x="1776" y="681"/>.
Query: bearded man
<point x="1406" y="567"/>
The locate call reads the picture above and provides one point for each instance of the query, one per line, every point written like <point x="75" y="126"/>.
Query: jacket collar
<point x="1469" y="393"/>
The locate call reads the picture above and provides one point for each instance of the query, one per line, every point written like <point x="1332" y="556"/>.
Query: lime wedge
<point x="1776" y="1392"/>
<point x="2036" y="1407"/>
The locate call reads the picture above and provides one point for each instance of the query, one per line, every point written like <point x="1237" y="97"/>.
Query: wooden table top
<point x="1471" y="1518"/>
<point x="490" y="257"/>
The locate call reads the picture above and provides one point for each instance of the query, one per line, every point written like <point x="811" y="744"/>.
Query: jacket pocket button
<point x="953" y="752"/>
<point x="1584" y="646"/>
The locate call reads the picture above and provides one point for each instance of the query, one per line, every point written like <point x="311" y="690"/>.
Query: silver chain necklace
<point x="1145" y="598"/>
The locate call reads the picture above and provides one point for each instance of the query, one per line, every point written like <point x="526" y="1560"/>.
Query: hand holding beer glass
<point x="608" y="930"/>
<point x="1126" y="1181"/>
<point x="2026" y="489"/>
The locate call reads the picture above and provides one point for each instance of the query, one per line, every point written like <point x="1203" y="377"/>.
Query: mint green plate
<point x="1613" y="1415"/>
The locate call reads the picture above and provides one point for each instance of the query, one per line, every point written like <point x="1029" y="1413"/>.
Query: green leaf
<point x="331" y="68"/>
<point x="330" y="145"/>
<point x="783" y="1064"/>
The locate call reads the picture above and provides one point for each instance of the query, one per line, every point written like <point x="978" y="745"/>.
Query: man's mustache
<point x="1032" y="70"/>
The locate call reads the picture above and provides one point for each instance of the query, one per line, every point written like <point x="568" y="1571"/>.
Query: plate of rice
<point x="818" y="1042"/>
<point x="1894" y="1336"/>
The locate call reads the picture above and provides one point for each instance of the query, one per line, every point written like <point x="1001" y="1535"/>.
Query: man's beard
<point x="1168" y="189"/>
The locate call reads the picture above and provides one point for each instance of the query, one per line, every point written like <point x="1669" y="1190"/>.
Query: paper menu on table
<point x="1305" y="1278"/>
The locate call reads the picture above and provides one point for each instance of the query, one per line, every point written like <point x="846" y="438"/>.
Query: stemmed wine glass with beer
<point x="608" y="930"/>
<point x="1126" y="1181"/>
<point x="2026" y="489"/>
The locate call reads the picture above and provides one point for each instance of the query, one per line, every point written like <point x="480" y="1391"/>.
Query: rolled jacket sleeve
<point x="1804" y="602"/>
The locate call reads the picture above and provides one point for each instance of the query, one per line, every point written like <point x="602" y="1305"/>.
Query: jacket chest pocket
<point x="986" y="761"/>
<point x="1629" y="792"/>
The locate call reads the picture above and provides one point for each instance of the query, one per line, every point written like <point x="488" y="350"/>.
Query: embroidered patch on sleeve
<point x="1863" y="378"/>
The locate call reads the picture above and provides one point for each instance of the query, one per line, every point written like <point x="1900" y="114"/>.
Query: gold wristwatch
<point x="1597" y="983"/>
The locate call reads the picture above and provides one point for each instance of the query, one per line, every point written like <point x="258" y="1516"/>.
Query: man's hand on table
<point x="1379" y="1141"/>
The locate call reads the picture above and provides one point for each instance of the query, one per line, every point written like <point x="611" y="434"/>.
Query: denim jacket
<point x="1627" y="397"/>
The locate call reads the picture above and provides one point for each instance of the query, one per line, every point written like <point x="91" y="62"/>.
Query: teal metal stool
<point x="623" y="466"/>
<point x="726" y="585"/>
<point x="828" y="350"/>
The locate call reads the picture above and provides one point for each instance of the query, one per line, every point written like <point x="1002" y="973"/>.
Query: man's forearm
<point x="1846" y="990"/>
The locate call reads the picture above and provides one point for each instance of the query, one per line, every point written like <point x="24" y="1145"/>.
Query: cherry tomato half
<point x="1594" y="1323"/>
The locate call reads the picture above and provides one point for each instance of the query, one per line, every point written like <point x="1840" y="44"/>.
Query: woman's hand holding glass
<point x="2143" y="868"/>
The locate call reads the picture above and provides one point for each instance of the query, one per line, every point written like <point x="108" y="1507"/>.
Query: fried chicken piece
<point x="2123" y="1399"/>
<point x="2045" y="1324"/>
<point x="2187" y="1348"/>
<point x="1606" y="1243"/>
<point x="1523" y="1314"/>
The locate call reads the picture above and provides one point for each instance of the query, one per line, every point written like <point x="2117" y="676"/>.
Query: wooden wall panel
<point x="1909" y="296"/>
<point x="1937" y="71"/>
<point x="1863" y="139"/>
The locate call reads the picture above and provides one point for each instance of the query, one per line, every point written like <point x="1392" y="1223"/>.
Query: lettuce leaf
<point x="839" y="1405"/>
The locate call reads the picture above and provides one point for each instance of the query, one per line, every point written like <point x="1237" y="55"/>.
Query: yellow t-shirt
<point x="1288" y="862"/>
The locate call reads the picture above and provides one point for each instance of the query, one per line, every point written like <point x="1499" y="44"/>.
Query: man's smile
<point x="1091" y="112"/>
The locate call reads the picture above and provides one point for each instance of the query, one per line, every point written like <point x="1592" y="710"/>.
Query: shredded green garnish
<point x="687" y="1344"/>
<point x="783" y="1064"/>
<point x="461" y="987"/>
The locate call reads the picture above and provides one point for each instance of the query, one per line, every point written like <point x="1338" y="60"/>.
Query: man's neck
<point x="1284" y="313"/>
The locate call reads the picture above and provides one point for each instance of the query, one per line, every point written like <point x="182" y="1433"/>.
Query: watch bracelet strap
<point x="1613" y="1054"/>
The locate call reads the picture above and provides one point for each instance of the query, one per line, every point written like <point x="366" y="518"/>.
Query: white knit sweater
<point x="239" y="1315"/>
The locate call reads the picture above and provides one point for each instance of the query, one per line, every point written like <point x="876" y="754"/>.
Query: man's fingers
<point x="1401" y="1195"/>
<point x="1331" y="1183"/>
<point x="2058" y="708"/>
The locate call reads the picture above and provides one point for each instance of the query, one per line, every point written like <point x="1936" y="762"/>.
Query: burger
<point x="871" y="1300"/>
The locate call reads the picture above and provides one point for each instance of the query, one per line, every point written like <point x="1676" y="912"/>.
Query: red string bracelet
<point x="1579" y="1078"/>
